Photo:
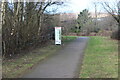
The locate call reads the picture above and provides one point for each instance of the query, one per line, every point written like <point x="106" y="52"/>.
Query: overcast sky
<point x="79" y="5"/>
<point x="75" y="6"/>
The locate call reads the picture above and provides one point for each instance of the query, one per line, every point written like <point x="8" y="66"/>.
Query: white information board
<point x="57" y="35"/>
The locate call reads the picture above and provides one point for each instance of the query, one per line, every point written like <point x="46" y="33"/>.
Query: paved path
<point x="64" y="64"/>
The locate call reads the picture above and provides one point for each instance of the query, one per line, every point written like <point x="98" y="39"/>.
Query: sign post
<point x="58" y="35"/>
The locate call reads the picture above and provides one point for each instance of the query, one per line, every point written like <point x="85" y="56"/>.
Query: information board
<point x="57" y="35"/>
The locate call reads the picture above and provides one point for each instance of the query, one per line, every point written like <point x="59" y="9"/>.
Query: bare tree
<point x="112" y="10"/>
<point x="25" y="24"/>
<point x="96" y="14"/>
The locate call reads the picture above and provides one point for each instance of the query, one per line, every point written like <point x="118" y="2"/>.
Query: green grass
<point x="68" y="38"/>
<point x="14" y="68"/>
<point x="100" y="59"/>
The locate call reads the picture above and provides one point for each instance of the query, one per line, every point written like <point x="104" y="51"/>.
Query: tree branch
<point x="111" y="13"/>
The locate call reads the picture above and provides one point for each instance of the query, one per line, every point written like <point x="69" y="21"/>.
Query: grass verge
<point x="67" y="39"/>
<point x="100" y="59"/>
<point x="14" y="68"/>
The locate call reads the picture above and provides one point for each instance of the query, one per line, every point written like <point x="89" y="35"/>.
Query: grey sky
<point x="79" y="5"/>
<point x="75" y="6"/>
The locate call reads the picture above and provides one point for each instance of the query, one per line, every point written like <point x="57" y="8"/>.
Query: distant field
<point x="100" y="59"/>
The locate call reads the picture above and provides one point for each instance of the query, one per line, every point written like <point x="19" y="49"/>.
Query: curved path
<point x="64" y="64"/>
